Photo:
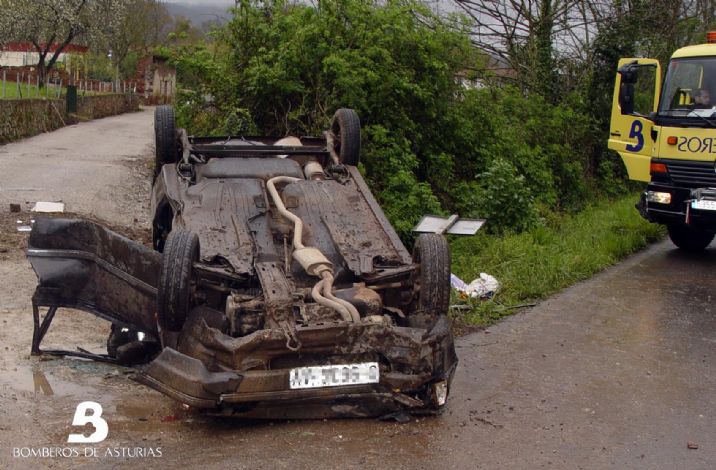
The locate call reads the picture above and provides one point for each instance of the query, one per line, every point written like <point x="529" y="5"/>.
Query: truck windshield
<point x="689" y="88"/>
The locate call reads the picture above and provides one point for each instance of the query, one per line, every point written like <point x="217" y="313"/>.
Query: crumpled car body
<point x="299" y="300"/>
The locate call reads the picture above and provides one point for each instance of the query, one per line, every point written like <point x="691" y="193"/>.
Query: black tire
<point x="176" y="286"/>
<point x="165" y="138"/>
<point x="689" y="239"/>
<point x="432" y="253"/>
<point x="346" y="129"/>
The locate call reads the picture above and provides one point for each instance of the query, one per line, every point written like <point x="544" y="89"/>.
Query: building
<point x="24" y="54"/>
<point x="157" y="79"/>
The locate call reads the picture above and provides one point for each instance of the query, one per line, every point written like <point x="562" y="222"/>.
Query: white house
<point x="20" y="54"/>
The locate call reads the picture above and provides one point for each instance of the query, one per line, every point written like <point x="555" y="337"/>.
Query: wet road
<point x="616" y="372"/>
<point x="91" y="167"/>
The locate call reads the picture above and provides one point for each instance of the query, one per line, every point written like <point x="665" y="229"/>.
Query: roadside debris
<point x="15" y="208"/>
<point x="48" y="207"/>
<point x="23" y="226"/>
<point x="452" y="225"/>
<point x="484" y="287"/>
<point x="692" y="445"/>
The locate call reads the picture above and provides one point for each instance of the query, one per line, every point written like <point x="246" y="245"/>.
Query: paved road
<point x="616" y="372"/>
<point x="91" y="167"/>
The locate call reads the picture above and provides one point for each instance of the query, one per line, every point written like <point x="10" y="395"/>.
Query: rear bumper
<point x="249" y="376"/>
<point x="80" y="264"/>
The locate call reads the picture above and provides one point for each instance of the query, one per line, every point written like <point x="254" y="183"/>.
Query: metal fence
<point x="26" y="85"/>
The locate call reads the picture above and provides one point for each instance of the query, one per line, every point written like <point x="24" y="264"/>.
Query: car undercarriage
<point x="276" y="287"/>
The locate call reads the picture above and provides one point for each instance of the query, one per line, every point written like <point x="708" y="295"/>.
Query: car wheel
<point x="165" y="138"/>
<point x="432" y="254"/>
<point x="346" y="129"/>
<point x="176" y="283"/>
<point x="689" y="239"/>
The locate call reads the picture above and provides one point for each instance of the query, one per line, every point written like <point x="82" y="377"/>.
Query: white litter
<point x="457" y="283"/>
<point x="484" y="287"/>
<point x="42" y="206"/>
<point x="24" y="228"/>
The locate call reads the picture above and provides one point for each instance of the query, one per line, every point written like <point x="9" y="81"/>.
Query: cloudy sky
<point x="199" y="11"/>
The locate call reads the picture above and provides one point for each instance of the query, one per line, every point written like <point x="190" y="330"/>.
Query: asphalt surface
<point x="91" y="167"/>
<point x="615" y="372"/>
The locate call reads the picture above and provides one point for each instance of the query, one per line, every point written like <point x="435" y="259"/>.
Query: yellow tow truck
<point x="670" y="141"/>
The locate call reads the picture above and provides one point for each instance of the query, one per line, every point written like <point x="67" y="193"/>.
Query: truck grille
<point x="691" y="174"/>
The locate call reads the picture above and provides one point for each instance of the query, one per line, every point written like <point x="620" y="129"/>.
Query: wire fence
<point x="26" y="85"/>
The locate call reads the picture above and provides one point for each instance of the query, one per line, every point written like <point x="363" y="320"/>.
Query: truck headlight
<point x="658" y="197"/>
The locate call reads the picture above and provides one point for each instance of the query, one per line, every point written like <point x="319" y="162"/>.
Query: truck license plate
<point x="704" y="204"/>
<point x="334" y="375"/>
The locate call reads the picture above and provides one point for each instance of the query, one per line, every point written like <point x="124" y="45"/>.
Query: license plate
<point x="704" y="205"/>
<point x="334" y="375"/>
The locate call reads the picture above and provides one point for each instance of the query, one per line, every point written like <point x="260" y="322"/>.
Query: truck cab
<point x="665" y="134"/>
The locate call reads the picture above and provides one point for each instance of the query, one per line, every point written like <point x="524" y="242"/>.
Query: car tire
<point x="432" y="253"/>
<point x="176" y="282"/>
<point x="688" y="238"/>
<point x="345" y="127"/>
<point x="165" y="138"/>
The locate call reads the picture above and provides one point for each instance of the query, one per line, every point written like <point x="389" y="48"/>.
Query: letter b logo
<point x="95" y="419"/>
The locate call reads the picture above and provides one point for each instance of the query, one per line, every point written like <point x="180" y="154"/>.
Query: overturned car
<point x="275" y="287"/>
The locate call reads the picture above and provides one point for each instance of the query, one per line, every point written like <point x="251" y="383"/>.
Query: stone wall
<point x="25" y="118"/>
<point x="95" y="107"/>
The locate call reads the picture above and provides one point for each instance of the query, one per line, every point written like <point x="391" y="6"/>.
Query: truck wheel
<point x="432" y="254"/>
<point x="689" y="239"/>
<point x="346" y="129"/>
<point x="165" y="138"/>
<point x="176" y="284"/>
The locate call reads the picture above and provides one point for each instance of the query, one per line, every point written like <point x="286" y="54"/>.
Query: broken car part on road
<point x="275" y="281"/>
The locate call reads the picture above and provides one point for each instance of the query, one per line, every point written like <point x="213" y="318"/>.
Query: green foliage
<point x="547" y="258"/>
<point x="430" y="145"/>
<point x="504" y="198"/>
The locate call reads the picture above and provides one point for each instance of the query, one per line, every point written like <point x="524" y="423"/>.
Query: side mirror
<point x="629" y="73"/>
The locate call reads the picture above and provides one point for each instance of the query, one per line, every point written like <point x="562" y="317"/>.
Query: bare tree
<point x="530" y="36"/>
<point x="142" y="26"/>
<point x="51" y="25"/>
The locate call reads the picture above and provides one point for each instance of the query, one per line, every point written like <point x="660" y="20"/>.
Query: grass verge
<point x="11" y="91"/>
<point x="537" y="263"/>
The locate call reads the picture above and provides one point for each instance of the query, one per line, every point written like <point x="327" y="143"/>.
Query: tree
<point x="183" y="32"/>
<point x="51" y="25"/>
<point x="141" y="27"/>
<point x="530" y="35"/>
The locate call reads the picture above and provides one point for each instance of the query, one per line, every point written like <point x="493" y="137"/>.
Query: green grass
<point x="534" y="264"/>
<point x="12" y="94"/>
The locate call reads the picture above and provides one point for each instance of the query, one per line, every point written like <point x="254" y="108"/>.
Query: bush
<point x="430" y="144"/>
<point x="504" y="198"/>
